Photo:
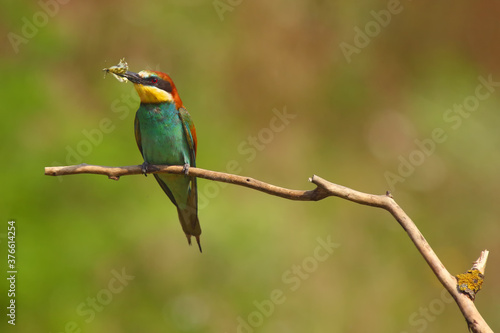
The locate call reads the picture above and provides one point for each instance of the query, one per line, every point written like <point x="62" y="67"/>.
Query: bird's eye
<point x="154" y="80"/>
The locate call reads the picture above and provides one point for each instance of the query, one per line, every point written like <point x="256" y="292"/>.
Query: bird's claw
<point x="185" y="168"/>
<point x="146" y="168"/>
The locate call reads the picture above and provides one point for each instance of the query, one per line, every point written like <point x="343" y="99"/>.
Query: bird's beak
<point x="131" y="76"/>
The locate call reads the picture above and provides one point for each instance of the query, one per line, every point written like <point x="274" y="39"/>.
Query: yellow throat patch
<point x="150" y="94"/>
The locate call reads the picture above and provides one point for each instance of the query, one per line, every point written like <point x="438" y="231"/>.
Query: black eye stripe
<point x="164" y="85"/>
<point x="160" y="83"/>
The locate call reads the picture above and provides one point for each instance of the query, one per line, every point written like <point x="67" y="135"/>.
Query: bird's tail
<point x="188" y="217"/>
<point x="186" y="202"/>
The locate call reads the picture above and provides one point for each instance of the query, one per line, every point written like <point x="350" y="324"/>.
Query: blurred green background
<point x="353" y="120"/>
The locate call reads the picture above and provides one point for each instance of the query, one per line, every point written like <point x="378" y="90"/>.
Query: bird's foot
<point x="185" y="168"/>
<point x="146" y="168"/>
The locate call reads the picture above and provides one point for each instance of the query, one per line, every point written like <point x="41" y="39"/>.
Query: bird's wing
<point x="137" y="131"/>
<point x="190" y="131"/>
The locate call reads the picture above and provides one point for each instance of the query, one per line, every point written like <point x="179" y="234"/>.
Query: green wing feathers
<point x="190" y="213"/>
<point x="137" y="132"/>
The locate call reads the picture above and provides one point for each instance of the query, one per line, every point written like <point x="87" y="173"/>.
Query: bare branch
<point x="480" y="263"/>
<point x="323" y="189"/>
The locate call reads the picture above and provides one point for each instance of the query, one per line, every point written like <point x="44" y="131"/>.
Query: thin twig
<point x="480" y="263"/>
<point x="323" y="190"/>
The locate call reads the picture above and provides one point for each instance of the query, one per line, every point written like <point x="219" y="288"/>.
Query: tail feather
<point x="197" y="241"/>
<point x="188" y="217"/>
<point x="186" y="202"/>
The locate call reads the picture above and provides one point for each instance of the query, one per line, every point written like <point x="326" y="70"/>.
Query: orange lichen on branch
<point x="470" y="283"/>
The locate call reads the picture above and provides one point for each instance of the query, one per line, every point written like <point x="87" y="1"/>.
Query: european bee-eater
<point x="165" y="134"/>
